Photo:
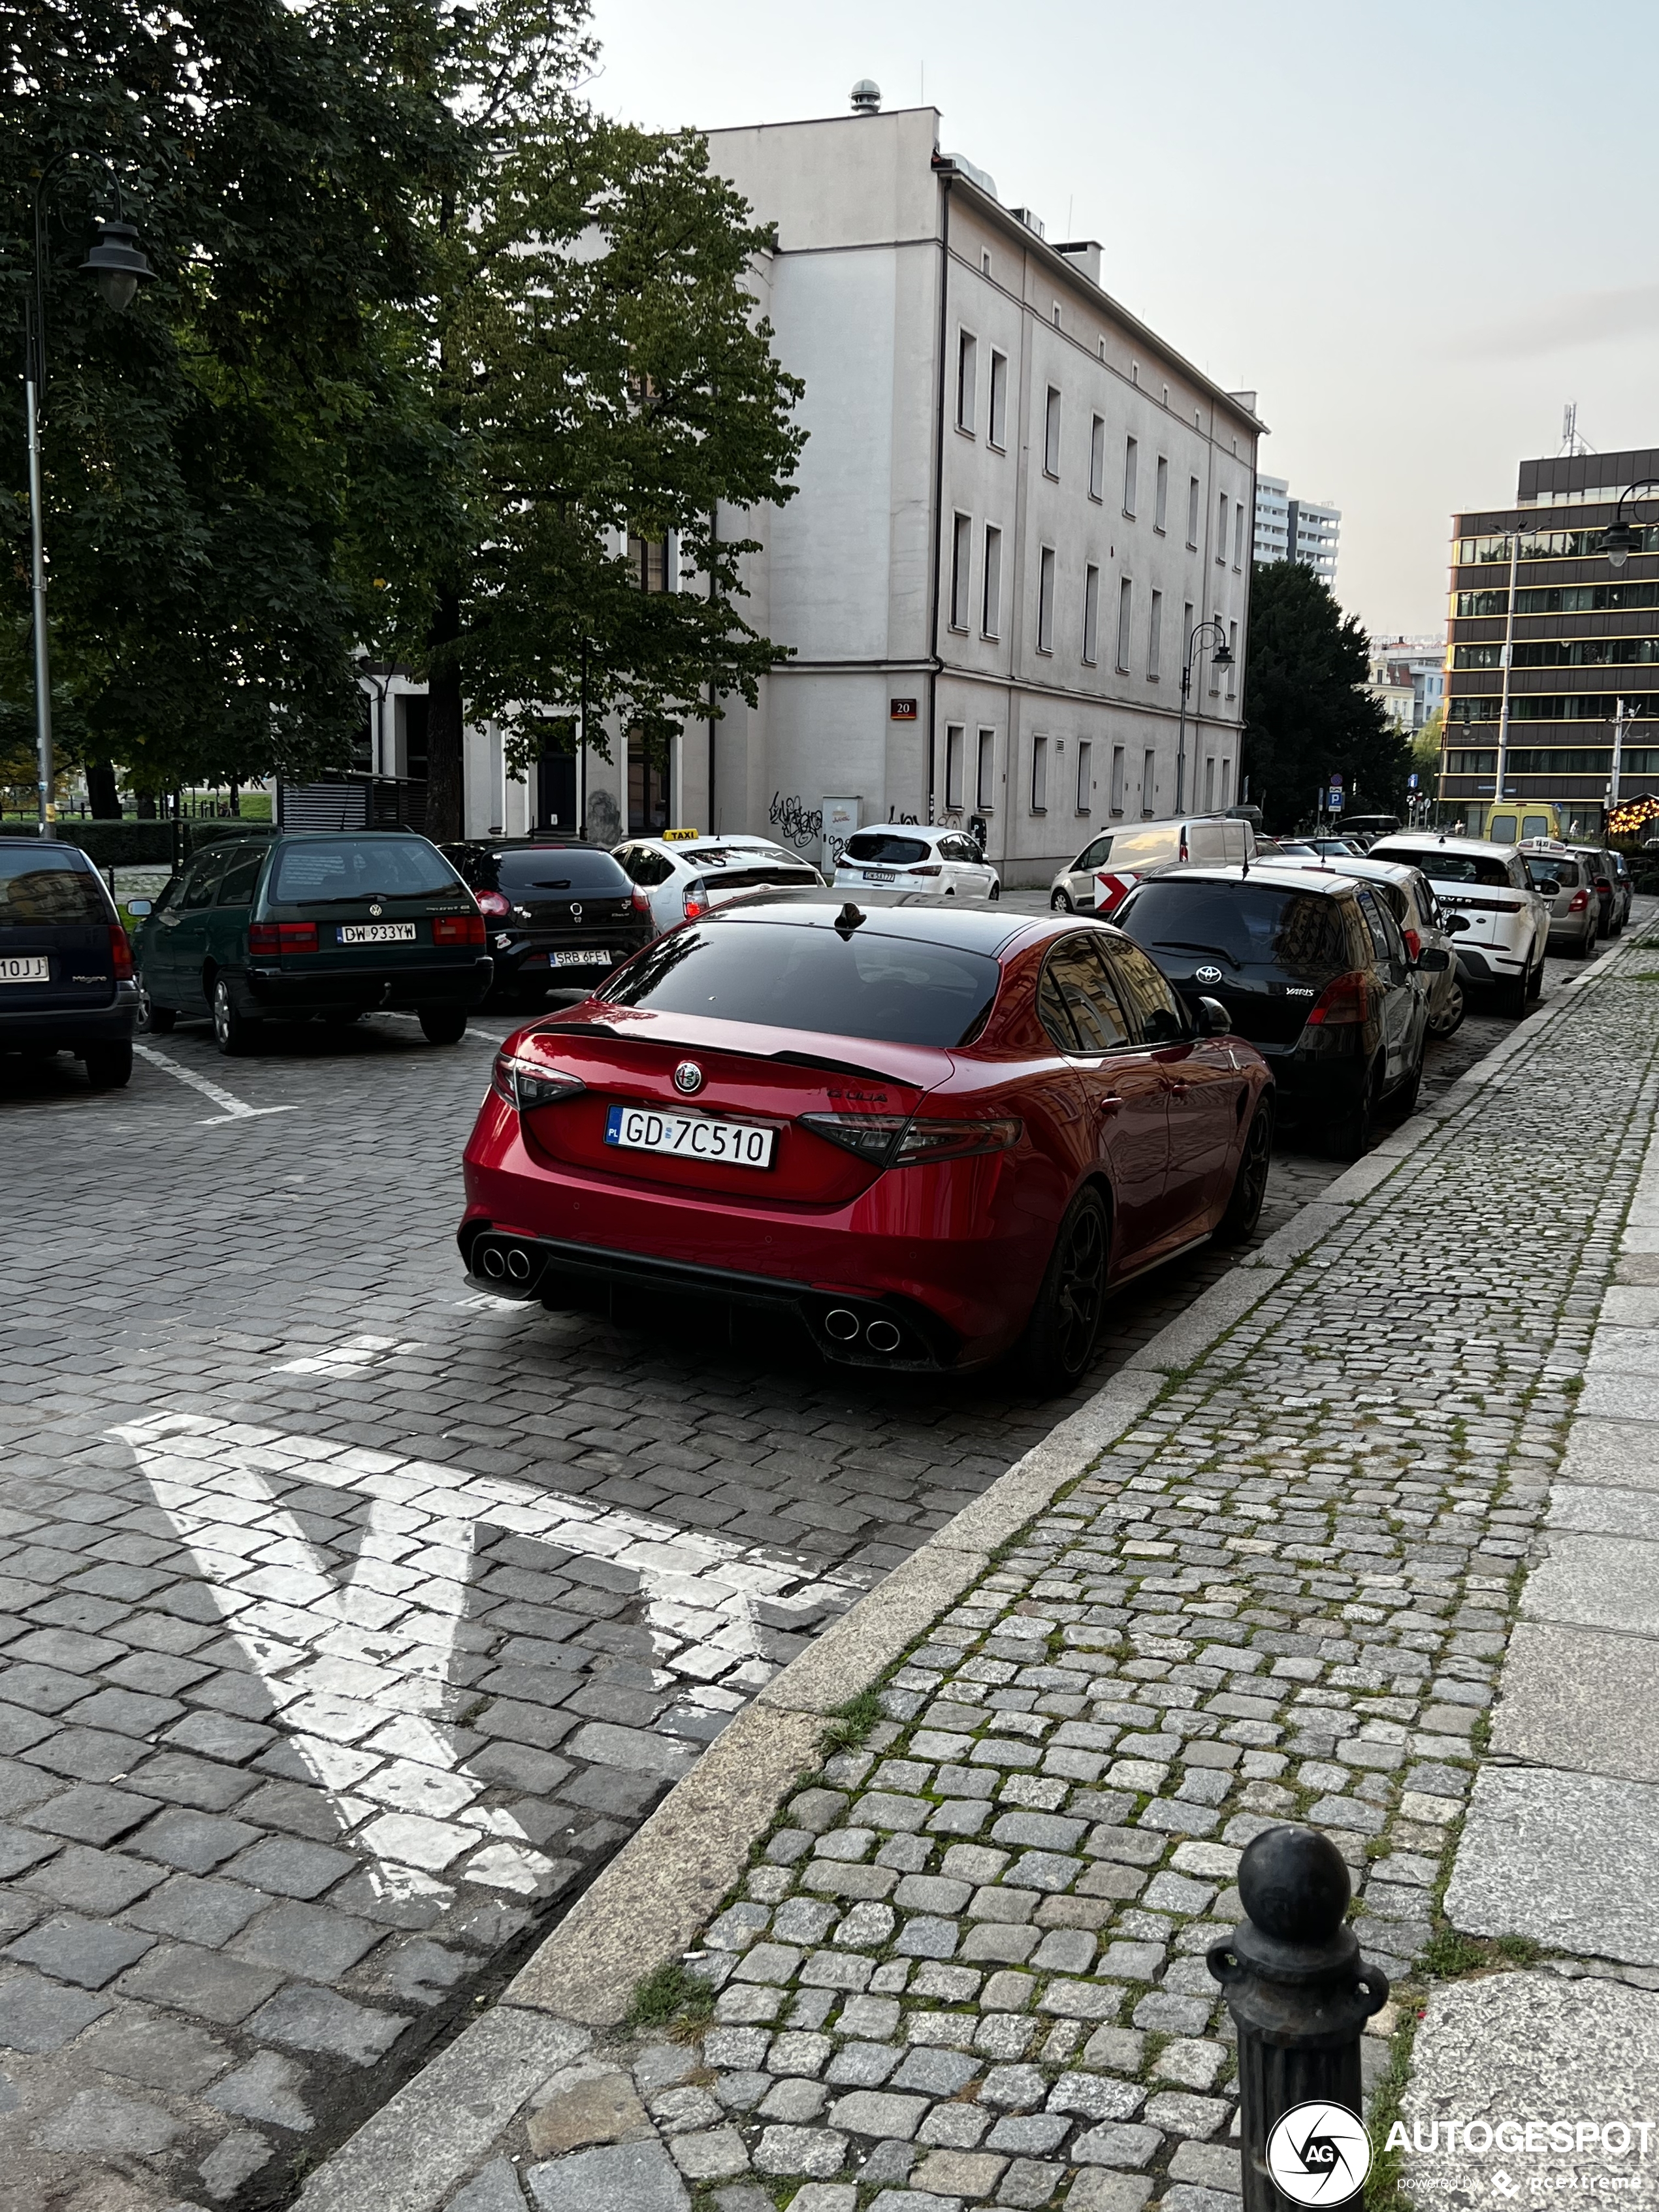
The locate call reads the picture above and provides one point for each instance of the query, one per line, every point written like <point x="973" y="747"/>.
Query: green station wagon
<point x="318" y="924"/>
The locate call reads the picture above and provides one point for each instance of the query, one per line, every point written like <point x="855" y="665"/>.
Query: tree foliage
<point x="1306" y="713"/>
<point x="198" y="449"/>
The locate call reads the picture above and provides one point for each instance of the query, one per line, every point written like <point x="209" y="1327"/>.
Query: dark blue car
<point x="65" y="965"/>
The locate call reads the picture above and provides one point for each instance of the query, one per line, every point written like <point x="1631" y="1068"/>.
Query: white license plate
<point x="690" y="1136"/>
<point x="580" y="960"/>
<point x="26" y="968"/>
<point x="376" y="932"/>
<point x="879" y="876"/>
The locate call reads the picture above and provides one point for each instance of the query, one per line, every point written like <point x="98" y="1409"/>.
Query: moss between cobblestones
<point x="668" y="1993"/>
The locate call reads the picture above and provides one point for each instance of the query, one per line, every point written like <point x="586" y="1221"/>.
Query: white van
<point x="1107" y="867"/>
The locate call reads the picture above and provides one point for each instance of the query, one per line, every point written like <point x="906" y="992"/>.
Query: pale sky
<point x="1417" y="230"/>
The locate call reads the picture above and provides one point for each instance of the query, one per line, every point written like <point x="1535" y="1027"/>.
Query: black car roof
<point x="1289" y="879"/>
<point x="980" y="925"/>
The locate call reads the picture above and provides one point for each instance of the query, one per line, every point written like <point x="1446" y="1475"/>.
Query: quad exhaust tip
<point x="510" y="1264"/>
<point x="841" y="1323"/>
<point x="882" y="1336"/>
<point x="846" y="1327"/>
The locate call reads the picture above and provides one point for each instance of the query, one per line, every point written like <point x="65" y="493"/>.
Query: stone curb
<point x="656" y="1896"/>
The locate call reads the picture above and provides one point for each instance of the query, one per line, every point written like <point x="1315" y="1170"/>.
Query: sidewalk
<point x="1271" y="1572"/>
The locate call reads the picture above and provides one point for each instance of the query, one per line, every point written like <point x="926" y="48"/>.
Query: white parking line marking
<point x="353" y="1643"/>
<point x="357" y="1356"/>
<point x="235" y="1109"/>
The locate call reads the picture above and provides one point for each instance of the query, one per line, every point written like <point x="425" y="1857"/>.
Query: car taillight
<point x="458" y="929"/>
<point x="894" y="1140"/>
<point x="928" y="868"/>
<point x="1345" y="1001"/>
<point x="1578" y="902"/>
<point x="1413" y="942"/>
<point x="121" y="953"/>
<point x="697" y="901"/>
<point x="638" y="902"/>
<point x="495" y="904"/>
<point x="268" y="939"/>
<point x="526" y="1084"/>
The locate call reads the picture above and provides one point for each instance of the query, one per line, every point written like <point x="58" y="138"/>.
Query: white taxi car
<point x="683" y="877"/>
<point x="918" y="857"/>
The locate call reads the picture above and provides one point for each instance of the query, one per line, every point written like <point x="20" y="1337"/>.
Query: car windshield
<point x="1544" y="871"/>
<point x="884" y="846"/>
<point x="329" y="871"/>
<point x="796" y="977"/>
<point x="44" y="888"/>
<point x="1241" y="924"/>
<point x="552" y="868"/>
<point x="1443" y="867"/>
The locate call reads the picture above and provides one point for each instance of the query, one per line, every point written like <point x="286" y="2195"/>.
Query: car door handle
<point x="1111" y="1103"/>
<point x="1179" y="1086"/>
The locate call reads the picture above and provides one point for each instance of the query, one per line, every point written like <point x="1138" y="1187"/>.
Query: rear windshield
<point x="1443" y="867"/>
<point x="883" y="845"/>
<point x="736" y="856"/>
<point x="1242" y="925"/>
<point x="552" y="868"/>
<point x="44" y="887"/>
<point x="792" y="976"/>
<point x="324" y="870"/>
<point x="1544" y="871"/>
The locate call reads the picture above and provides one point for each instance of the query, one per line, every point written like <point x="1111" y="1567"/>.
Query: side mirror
<point x="1455" y="924"/>
<point x="1548" y="889"/>
<point x="1213" y="1019"/>
<point x="1432" y="961"/>
<point x="139" y="908"/>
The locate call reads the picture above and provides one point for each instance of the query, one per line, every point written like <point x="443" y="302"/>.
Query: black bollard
<point x="1299" y="1993"/>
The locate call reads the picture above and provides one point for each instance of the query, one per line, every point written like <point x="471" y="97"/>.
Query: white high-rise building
<point x="1016" y="504"/>
<point x="1289" y="528"/>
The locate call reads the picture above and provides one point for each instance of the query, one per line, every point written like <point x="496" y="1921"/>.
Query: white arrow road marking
<point x="357" y="1655"/>
<point x="236" y="1109"/>
<point x="354" y="1356"/>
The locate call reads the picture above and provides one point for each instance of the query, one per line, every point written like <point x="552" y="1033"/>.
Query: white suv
<point x="684" y="877"/>
<point x="1509" y="930"/>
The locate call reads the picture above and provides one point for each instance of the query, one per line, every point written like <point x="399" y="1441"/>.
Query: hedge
<point x="145" y="844"/>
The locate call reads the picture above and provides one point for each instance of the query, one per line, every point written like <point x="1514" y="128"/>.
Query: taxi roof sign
<point x="671" y="836"/>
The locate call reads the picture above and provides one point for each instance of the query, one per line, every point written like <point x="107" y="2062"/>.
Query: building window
<point x="1131" y="470"/>
<point x="1039" y="776"/>
<point x="1126" y="608"/>
<point x="985" y="784"/>
<point x="1051" y="434"/>
<point x="985" y="261"/>
<point x="1186" y="631"/>
<point x="648" y="558"/>
<point x="1232" y="647"/>
<point x="966" y="370"/>
<point x="1225" y="790"/>
<point x="998" y="431"/>
<point x="1209" y="784"/>
<point x="1221" y="534"/>
<point x="956" y="746"/>
<point x="1097" y="457"/>
<point x="1154" y="635"/>
<point x="991" y="612"/>
<point x="1192" y="514"/>
<point x="1117" y="780"/>
<point x="1056" y="314"/>
<point x="1238" y="534"/>
<point x="961" y="565"/>
<point x="1148" y="781"/>
<point x="1085" y="781"/>
<point x="1046" y="601"/>
<point x="1092" y="614"/>
<point x="1161" y="494"/>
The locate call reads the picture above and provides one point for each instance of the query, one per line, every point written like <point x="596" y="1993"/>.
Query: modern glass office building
<point x="1546" y="638"/>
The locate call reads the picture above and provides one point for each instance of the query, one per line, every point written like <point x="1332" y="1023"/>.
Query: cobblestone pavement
<point x="968" y="1965"/>
<point x="348" y="1621"/>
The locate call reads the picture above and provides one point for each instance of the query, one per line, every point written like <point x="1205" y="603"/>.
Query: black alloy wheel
<point x="1060" y="1337"/>
<point x="109" y="1067"/>
<point x="1512" y="997"/>
<point x="1351" y="1133"/>
<point x="443" y="1025"/>
<point x="995" y="891"/>
<point x="1250" y="1184"/>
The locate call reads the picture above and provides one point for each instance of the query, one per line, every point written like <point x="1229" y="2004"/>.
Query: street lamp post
<point x="1222" y="658"/>
<point x="114" y="259"/>
<point x="1619" y="539"/>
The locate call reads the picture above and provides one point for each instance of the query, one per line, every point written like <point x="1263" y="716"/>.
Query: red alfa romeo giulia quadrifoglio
<point x="938" y="1132"/>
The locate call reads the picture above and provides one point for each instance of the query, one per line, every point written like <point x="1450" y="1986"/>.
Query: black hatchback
<point x="65" y="964"/>
<point x="1314" y="973"/>
<point x="558" y="911"/>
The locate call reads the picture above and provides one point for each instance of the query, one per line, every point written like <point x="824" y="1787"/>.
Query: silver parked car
<point x="1411" y="900"/>
<point x="1566" y="881"/>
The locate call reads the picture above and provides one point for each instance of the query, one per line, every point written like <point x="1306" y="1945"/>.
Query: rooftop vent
<point x="866" y="97"/>
<point x="1032" y="220"/>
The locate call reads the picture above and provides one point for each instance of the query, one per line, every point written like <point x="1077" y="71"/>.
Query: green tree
<point x="589" y="366"/>
<point x="198" y="449"/>
<point x="1426" y="752"/>
<point x="1306" y="713"/>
